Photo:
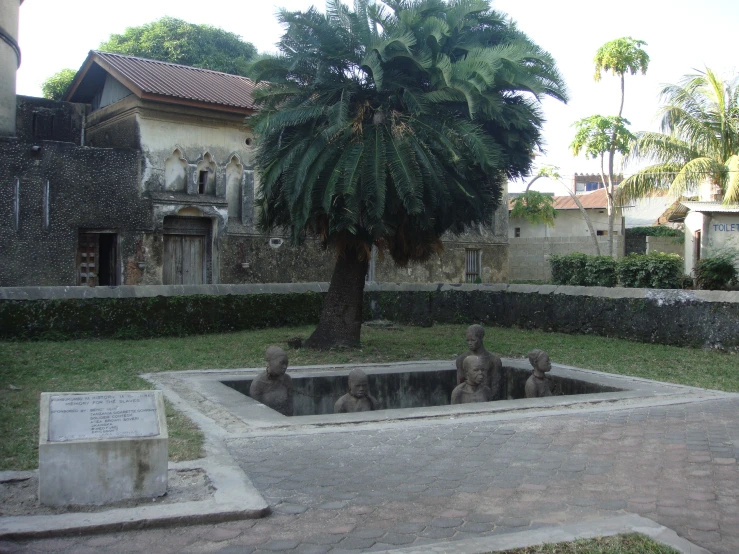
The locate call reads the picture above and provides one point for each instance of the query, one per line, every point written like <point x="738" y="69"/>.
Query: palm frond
<point x="693" y="174"/>
<point x="649" y="181"/>
<point x="731" y="196"/>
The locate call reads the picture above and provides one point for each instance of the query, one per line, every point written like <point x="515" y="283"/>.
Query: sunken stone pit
<point x="316" y="395"/>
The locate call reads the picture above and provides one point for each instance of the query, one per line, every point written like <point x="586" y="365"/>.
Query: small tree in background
<point x="600" y="134"/>
<point x="597" y="136"/>
<point x="619" y="57"/>
<point x="552" y="172"/>
<point x="55" y="86"/>
<point x="171" y="40"/>
<point x="176" y="41"/>
<point x="535" y="207"/>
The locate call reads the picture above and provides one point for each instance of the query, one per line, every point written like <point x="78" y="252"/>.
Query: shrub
<point x="568" y="269"/>
<point x="655" y="231"/>
<point x="582" y="270"/>
<point x="601" y="271"/>
<point x="655" y="270"/>
<point x="717" y="271"/>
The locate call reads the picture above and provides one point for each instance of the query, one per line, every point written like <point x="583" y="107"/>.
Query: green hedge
<point x="158" y="316"/>
<point x="582" y="270"/>
<point x="654" y="231"/>
<point x="718" y="271"/>
<point x="654" y="270"/>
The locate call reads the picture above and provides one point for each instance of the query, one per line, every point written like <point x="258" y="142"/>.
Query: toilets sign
<point x="726" y="227"/>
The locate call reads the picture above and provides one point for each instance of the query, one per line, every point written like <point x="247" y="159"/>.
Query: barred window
<point x="473" y="263"/>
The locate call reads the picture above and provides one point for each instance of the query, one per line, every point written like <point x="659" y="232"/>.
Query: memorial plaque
<point x="114" y="415"/>
<point x="101" y="447"/>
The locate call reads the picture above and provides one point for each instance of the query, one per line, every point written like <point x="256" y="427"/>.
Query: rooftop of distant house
<point x="597" y="200"/>
<point x="164" y="82"/>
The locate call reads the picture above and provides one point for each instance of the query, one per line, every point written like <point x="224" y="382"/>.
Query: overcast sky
<point x="682" y="35"/>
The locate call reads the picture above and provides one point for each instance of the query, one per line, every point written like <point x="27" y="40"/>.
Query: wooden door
<point x="184" y="260"/>
<point x="88" y="250"/>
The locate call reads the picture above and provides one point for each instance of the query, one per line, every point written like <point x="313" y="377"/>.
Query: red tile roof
<point x="592" y="200"/>
<point x="165" y="81"/>
<point x="595" y="199"/>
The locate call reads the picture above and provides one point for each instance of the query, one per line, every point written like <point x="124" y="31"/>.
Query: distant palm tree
<point x="389" y="125"/>
<point x="699" y="143"/>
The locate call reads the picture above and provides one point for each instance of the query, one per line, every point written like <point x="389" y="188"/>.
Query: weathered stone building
<point x="144" y="175"/>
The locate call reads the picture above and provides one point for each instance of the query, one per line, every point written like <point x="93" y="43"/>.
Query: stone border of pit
<point x="563" y="533"/>
<point x="234" y="498"/>
<point x="234" y="413"/>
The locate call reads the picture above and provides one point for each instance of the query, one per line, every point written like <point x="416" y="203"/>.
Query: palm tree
<point x="618" y="56"/>
<point x="698" y="145"/>
<point x="389" y="125"/>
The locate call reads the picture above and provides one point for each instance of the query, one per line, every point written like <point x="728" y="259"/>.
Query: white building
<point x="710" y="227"/>
<point x="569" y="221"/>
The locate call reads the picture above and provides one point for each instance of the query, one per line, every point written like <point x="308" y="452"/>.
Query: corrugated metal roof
<point x="597" y="200"/>
<point x="182" y="82"/>
<point x="682" y="209"/>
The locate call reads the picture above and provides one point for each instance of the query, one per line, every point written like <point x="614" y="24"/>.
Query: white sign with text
<point x="113" y="415"/>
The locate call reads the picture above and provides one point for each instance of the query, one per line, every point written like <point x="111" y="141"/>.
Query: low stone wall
<point x="677" y="317"/>
<point x="529" y="257"/>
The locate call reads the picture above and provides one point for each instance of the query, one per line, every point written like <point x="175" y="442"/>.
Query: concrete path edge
<point x="234" y="498"/>
<point x="564" y="533"/>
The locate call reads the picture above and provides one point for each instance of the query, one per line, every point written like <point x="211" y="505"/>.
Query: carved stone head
<point x="474" y="336"/>
<point x="276" y="362"/>
<point x="358" y="383"/>
<point x="539" y="360"/>
<point x="473" y="370"/>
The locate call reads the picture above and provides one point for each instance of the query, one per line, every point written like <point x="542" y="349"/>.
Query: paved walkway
<point x="412" y="483"/>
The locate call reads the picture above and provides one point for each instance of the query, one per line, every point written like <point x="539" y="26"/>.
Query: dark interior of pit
<point x="409" y="389"/>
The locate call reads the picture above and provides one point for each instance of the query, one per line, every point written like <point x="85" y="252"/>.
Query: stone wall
<point x="43" y="119"/>
<point x="529" y="257"/>
<point x="271" y="259"/>
<point x="88" y="188"/>
<point x="683" y="318"/>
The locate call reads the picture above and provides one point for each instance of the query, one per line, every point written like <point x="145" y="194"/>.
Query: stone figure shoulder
<point x="537" y="387"/>
<point x="274" y="393"/>
<point x="465" y="394"/>
<point x="494" y="377"/>
<point x="493" y="371"/>
<point x="349" y="404"/>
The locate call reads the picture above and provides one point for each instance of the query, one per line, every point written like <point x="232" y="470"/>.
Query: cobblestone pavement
<point x="391" y="485"/>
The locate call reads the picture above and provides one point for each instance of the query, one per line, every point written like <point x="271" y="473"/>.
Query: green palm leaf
<point x="365" y="126"/>
<point x="699" y="140"/>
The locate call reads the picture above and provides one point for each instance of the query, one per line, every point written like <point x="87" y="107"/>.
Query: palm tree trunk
<point x="609" y="196"/>
<point x="531" y="183"/>
<point x="611" y="155"/>
<point x="609" y="200"/>
<point x="586" y="218"/>
<point x="341" y="318"/>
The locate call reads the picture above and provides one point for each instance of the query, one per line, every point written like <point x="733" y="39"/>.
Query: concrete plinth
<point x="98" y="448"/>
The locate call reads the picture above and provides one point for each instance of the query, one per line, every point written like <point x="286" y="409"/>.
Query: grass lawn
<point x="618" y="544"/>
<point x="29" y="368"/>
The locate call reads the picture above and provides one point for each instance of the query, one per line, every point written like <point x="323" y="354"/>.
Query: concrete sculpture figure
<point x="492" y="365"/>
<point x="273" y="387"/>
<point x="473" y="389"/>
<point x="358" y="399"/>
<point x="538" y="384"/>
